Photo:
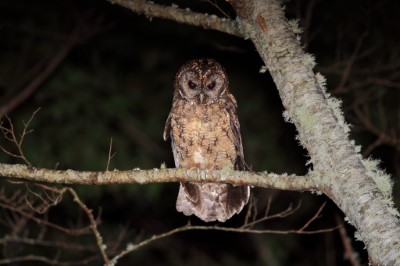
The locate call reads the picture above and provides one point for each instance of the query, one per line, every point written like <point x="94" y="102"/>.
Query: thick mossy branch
<point x="186" y="16"/>
<point x="267" y="180"/>
<point x="337" y="164"/>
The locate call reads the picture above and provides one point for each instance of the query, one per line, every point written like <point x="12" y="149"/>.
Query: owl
<point x="205" y="134"/>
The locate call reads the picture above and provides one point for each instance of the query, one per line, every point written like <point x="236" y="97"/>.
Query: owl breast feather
<point x="203" y="137"/>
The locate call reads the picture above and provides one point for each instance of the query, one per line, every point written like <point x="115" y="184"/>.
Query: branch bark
<point x="338" y="166"/>
<point x="267" y="180"/>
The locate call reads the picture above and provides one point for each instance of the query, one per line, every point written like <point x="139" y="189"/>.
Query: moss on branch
<point x="262" y="179"/>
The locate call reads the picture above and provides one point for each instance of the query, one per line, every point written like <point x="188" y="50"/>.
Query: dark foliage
<point x="116" y="82"/>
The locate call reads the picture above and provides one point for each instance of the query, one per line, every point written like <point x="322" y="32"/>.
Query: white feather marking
<point x="198" y="158"/>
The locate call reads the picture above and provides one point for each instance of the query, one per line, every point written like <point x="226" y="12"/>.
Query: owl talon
<point x="188" y="170"/>
<point x="206" y="173"/>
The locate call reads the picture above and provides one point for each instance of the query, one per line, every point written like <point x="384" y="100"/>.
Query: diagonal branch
<point x="45" y="68"/>
<point x="40" y="78"/>
<point x="262" y="179"/>
<point x="186" y="16"/>
<point x="93" y="225"/>
<point x="338" y="166"/>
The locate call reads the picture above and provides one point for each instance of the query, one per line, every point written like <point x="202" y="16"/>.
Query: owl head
<point x="201" y="81"/>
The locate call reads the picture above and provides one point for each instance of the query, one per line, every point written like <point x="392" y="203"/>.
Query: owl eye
<point x="192" y="85"/>
<point x="211" y="85"/>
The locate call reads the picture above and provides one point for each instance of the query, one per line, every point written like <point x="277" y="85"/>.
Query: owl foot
<point x="189" y="170"/>
<point x="204" y="173"/>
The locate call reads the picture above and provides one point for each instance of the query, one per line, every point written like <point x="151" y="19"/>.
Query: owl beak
<point x="201" y="97"/>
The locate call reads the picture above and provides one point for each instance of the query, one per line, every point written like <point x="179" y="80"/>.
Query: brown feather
<point x="205" y="134"/>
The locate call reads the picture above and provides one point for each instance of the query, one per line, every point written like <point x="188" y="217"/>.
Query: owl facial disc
<point x="201" y="81"/>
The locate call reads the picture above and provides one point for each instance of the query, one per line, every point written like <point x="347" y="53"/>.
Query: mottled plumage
<point x="205" y="134"/>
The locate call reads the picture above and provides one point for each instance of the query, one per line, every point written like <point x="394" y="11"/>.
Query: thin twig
<point x="132" y="247"/>
<point x="316" y="216"/>
<point x="251" y="205"/>
<point x="93" y="225"/>
<point x="110" y="156"/>
<point x="71" y="231"/>
<point x="45" y="202"/>
<point x="383" y="137"/>
<point x="46" y="243"/>
<point x="350" y="254"/>
<point x="33" y="258"/>
<point x="52" y="65"/>
<point x="289" y="211"/>
<point x="10" y="134"/>
<point x="347" y="71"/>
<point x="214" y="4"/>
<point x="87" y="27"/>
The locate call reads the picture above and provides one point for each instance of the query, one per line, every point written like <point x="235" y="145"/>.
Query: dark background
<point x="116" y="82"/>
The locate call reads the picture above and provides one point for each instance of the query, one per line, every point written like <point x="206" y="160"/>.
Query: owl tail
<point x="210" y="201"/>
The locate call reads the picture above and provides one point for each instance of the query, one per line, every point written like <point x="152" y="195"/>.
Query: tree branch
<point x="40" y="78"/>
<point x="245" y="228"/>
<point x="93" y="225"/>
<point x="45" y="260"/>
<point x="354" y="185"/>
<point x="262" y="179"/>
<point x="186" y="16"/>
<point x="45" y="68"/>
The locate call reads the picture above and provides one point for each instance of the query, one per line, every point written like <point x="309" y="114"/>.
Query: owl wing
<point x="167" y="134"/>
<point x="187" y="191"/>
<point x="231" y="105"/>
<point x="167" y="128"/>
<point x="236" y="196"/>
